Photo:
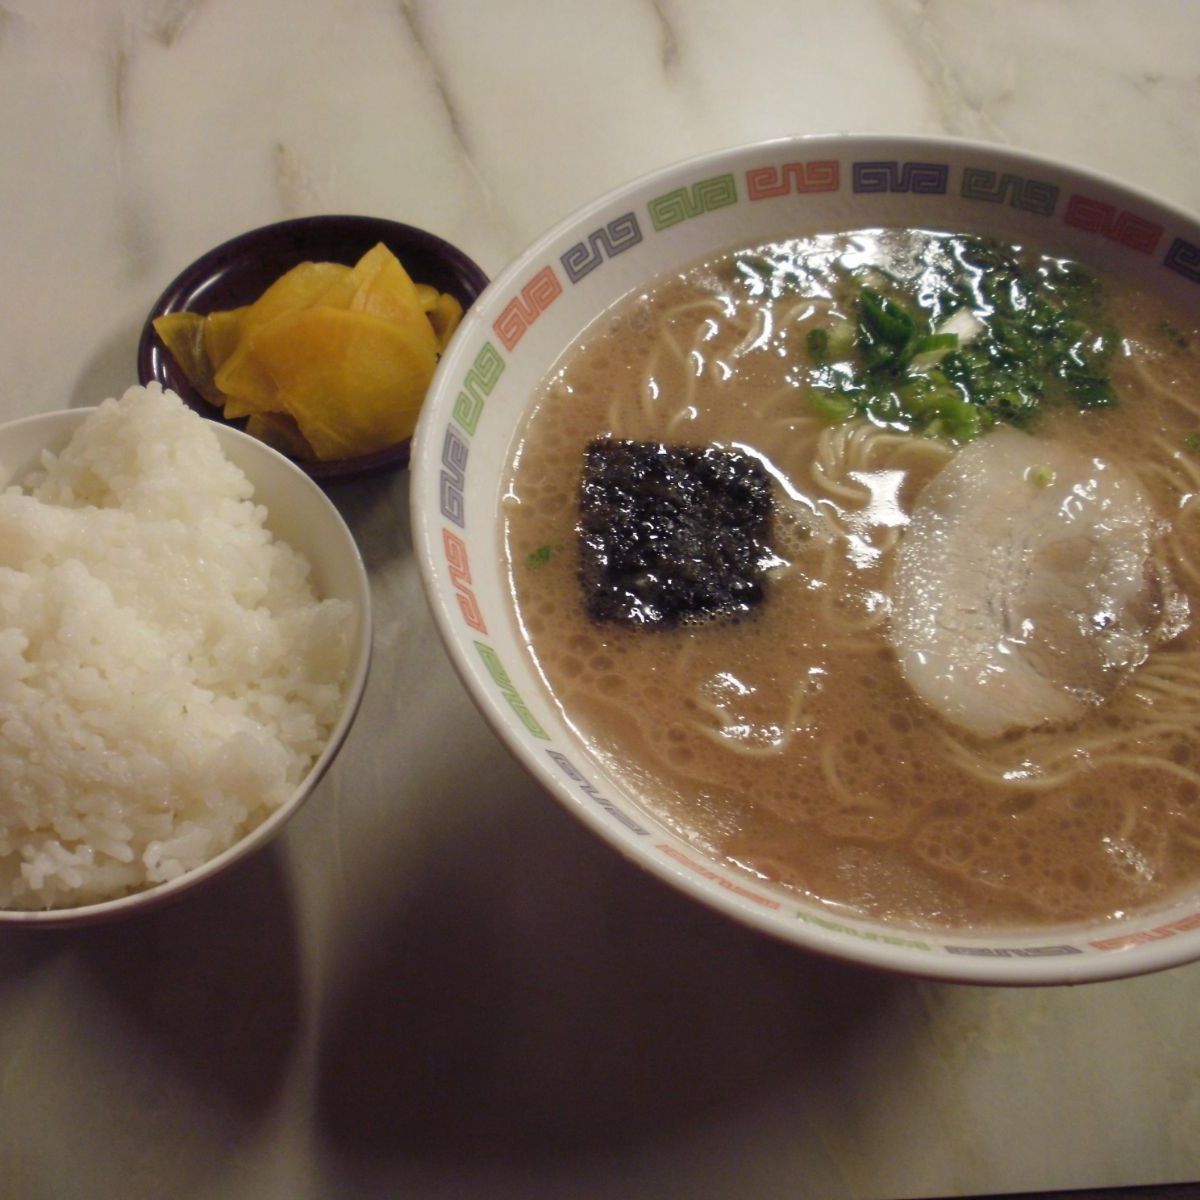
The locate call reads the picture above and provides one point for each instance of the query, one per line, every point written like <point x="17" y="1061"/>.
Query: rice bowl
<point x="179" y="662"/>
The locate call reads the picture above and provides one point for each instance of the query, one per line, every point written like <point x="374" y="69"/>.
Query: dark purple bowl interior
<point x="238" y="272"/>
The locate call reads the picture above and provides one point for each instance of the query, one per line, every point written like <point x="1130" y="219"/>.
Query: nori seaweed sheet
<point x="671" y="535"/>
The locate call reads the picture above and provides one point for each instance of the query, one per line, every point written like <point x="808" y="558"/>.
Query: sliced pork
<point x="1025" y="584"/>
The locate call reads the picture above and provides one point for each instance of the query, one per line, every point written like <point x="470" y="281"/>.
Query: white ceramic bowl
<point x="543" y="300"/>
<point x="300" y="514"/>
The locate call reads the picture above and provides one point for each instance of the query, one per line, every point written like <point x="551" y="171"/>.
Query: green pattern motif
<point x="477" y="386"/>
<point x="500" y="676"/>
<point x="683" y="203"/>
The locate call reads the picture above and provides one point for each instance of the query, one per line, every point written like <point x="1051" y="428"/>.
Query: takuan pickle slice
<point x="331" y="361"/>
<point x="353" y="382"/>
<point x="241" y="378"/>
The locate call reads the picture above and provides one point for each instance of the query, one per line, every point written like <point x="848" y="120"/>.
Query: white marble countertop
<point x="382" y="1003"/>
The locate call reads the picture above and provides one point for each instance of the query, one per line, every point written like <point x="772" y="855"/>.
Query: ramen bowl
<point x="298" y="513"/>
<point x="532" y="315"/>
<point x="238" y="271"/>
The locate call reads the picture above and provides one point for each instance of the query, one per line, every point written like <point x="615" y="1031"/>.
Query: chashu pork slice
<point x="1025" y="584"/>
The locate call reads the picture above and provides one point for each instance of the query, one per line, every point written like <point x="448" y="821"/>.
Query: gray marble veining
<point x="382" y="1003"/>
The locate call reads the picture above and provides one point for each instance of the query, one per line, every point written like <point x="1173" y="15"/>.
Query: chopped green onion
<point x="990" y="336"/>
<point x="1177" y="339"/>
<point x="928" y="351"/>
<point x="834" y="406"/>
<point x="842" y="338"/>
<point x="883" y="321"/>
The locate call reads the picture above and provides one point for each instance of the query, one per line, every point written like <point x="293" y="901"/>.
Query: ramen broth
<point x="788" y="743"/>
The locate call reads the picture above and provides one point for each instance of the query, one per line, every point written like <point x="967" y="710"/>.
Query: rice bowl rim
<point x="519" y="306"/>
<point x="50" y="431"/>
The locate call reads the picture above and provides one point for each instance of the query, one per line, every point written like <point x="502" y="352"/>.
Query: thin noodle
<point x="788" y="728"/>
<point x="758" y="337"/>
<point x="1148" y="762"/>
<point x="1161" y="390"/>
<point x="811" y="306"/>
<point x="833" y="780"/>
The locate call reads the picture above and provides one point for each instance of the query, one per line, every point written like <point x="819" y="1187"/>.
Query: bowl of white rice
<point x="185" y="636"/>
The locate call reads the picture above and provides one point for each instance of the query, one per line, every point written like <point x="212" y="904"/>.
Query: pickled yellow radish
<point x="331" y="361"/>
<point x="183" y="335"/>
<point x="353" y="382"/>
<point x="445" y="317"/>
<point x="385" y="290"/>
<point x="280" y="432"/>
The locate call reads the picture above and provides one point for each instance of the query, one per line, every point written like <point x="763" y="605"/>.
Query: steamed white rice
<point x="167" y="674"/>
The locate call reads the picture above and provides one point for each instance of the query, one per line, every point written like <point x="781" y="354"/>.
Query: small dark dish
<point x="238" y="271"/>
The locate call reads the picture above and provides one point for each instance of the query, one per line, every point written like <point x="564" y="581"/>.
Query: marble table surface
<point x="382" y="1002"/>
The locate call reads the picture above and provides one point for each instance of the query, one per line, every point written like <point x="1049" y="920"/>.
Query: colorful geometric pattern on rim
<point x="891" y="939"/>
<point x="619" y="234"/>
<point x="1126" y="228"/>
<point x="822" y="175"/>
<point x="919" y="178"/>
<point x="1029" y="195"/>
<point x="477" y="386"/>
<point x="499" y="675"/>
<point x="521" y="311"/>
<point x="460" y="577"/>
<point x="1123" y="941"/>
<point x="707" y="872"/>
<point x="1054" y="951"/>
<point x="455" y="452"/>
<point x="683" y="203"/>
<point x="574" y="775"/>
<point x="1184" y="258"/>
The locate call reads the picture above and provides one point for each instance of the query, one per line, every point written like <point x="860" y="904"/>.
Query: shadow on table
<point x="494" y="1013"/>
<point x="213" y="982"/>
<point x="207" y="985"/>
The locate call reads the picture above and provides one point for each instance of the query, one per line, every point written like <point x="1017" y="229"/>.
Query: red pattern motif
<point x="1117" y="225"/>
<point x="521" y="311"/>
<point x="460" y="576"/>
<point x="800" y="177"/>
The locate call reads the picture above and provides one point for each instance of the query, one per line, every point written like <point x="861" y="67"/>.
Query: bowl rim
<point x="871" y="951"/>
<point x="59" y="425"/>
<point x="151" y="353"/>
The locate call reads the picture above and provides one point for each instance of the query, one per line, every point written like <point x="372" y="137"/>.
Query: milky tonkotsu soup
<point x="967" y="694"/>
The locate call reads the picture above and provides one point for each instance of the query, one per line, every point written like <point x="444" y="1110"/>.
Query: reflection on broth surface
<point x="825" y="741"/>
